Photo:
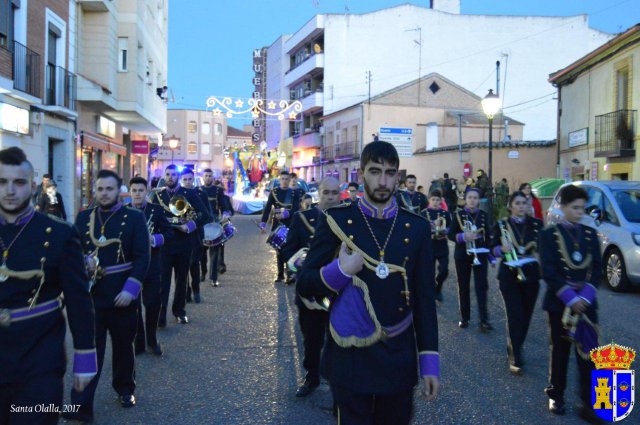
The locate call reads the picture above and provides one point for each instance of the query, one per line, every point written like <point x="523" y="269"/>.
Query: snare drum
<point x="278" y="237"/>
<point x="213" y="234"/>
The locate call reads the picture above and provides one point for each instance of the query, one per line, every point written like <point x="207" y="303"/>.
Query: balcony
<point x="20" y="72"/>
<point x="312" y="102"/>
<point x="328" y="153"/>
<point x="60" y="88"/>
<point x="94" y="5"/>
<point x="310" y="30"/>
<point x="348" y="150"/>
<point x="307" y="67"/>
<point x="309" y="139"/>
<point x="615" y="133"/>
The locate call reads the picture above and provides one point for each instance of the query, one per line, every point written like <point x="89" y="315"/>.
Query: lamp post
<point x="173" y="144"/>
<point x="490" y="107"/>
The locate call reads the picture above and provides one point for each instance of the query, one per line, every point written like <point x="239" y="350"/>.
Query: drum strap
<point x="306" y="223"/>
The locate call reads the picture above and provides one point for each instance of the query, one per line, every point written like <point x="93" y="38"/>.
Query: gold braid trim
<point x="275" y="198"/>
<point x="92" y="226"/>
<point x="162" y="204"/>
<point x="530" y="245"/>
<point x="480" y="230"/>
<point x="565" y="253"/>
<point x="308" y="225"/>
<point x="27" y="275"/>
<point x="354" y="341"/>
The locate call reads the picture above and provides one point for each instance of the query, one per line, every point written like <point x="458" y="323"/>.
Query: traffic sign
<point x="401" y="138"/>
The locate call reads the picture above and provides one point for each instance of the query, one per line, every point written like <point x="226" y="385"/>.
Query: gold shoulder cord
<point x="514" y="240"/>
<point x="275" y="198"/>
<point x="562" y="246"/>
<point x="162" y="204"/>
<point x="309" y="227"/>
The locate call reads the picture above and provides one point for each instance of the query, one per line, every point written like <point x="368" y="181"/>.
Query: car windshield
<point x="629" y="202"/>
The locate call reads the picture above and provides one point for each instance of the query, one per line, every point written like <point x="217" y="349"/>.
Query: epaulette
<point x="413" y="213"/>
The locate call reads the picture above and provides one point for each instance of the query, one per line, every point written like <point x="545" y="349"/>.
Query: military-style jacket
<point x="287" y="199"/>
<point x="524" y="235"/>
<point x="412" y="201"/>
<point x="124" y="252"/>
<point x="33" y="342"/>
<point x="180" y="240"/>
<point x="162" y="231"/>
<point x="478" y="218"/>
<point x="440" y="244"/>
<point x="215" y="199"/>
<point x="571" y="265"/>
<point x="403" y="327"/>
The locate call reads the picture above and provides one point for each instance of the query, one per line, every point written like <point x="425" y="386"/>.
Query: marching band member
<point x="176" y="253"/>
<point x="470" y="227"/>
<point x="440" y="223"/>
<point x="116" y="244"/>
<point x="383" y="319"/>
<point x="159" y="231"/>
<point x="293" y="184"/>
<point x="215" y="199"/>
<point x="187" y="182"/>
<point x="222" y="266"/>
<point x="571" y="266"/>
<point x="42" y="261"/>
<point x="352" y="190"/>
<point x="283" y="202"/>
<point x="514" y="238"/>
<point x="410" y="198"/>
<point x="311" y="315"/>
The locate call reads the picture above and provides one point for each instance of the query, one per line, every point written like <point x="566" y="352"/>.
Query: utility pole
<point x="368" y="80"/>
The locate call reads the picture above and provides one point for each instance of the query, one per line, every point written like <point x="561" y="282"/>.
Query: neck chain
<point x="382" y="270"/>
<point x="5" y="250"/>
<point x="575" y="255"/>
<point x="520" y="236"/>
<point x="103" y="224"/>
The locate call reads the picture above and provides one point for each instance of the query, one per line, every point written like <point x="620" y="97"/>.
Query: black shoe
<point x="485" y="327"/>
<point x="162" y="323"/>
<point x="557" y="407"/>
<point x="439" y="296"/>
<point x="463" y="324"/>
<point x="183" y="320"/>
<point x="290" y="281"/>
<point x="77" y="417"/>
<point x="197" y="299"/>
<point x="586" y="413"/>
<point x="157" y="350"/>
<point x="278" y="281"/>
<point x="127" y="400"/>
<point x="306" y="389"/>
<point x="222" y="269"/>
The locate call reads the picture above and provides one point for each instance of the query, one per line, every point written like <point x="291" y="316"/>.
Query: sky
<point x="211" y="41"/>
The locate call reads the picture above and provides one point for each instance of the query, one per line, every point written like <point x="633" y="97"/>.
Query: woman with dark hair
<point x="535" y="207"/>
<point x="514" y="238"/>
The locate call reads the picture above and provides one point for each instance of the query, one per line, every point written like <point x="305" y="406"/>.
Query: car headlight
<point x="636" y="238"/>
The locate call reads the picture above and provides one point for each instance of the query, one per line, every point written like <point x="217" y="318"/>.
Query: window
<point x="609" y="214"/>
<point x="7" y="10"/>
<point x="192" y="127"/>
<point x="206" y="128"/>
<point x="622" y="87"/>
<point x="205" y="148"/>
<point x="217" y="129"/>
<point x="192" y="147"/>
<point x="123" y="49"/>
<point x="354" y="133"/>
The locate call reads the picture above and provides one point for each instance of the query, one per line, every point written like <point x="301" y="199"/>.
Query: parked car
<point x="344" y="191"/>
<point x="613" y="210"/>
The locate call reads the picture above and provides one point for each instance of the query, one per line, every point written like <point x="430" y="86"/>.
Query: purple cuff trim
<point x="492" y="259"/>
<point x="285" y="214"/>
<point x="334" y="277"/>
<point x="497" y="252"/>
<point x="86" y="362"/>
<point x="191" y="226"/>
<point x="133" y="287"/>
<point x="567" y="295"/>
<point x="226" y="214"/>
<point x="158" y="240"/>
<point x="263" y="225"/>
<point x="460" y="237"/>
<point x="430" y="364"/>
<point x="588" y="293"/>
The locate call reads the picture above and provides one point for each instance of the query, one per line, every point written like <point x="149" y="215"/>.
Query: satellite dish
<point x="317" y="48"/>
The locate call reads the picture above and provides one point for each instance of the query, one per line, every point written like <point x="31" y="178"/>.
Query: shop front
<point x="97" y="153"/>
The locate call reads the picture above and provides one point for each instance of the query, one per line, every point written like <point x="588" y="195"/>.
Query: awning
<point x="98" y="142"/>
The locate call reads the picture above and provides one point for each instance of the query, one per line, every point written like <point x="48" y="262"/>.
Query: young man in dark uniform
<point x="176" y="253"/>
<point x="283" y="202"/>
<point x="293" y="183"/>
<point x="411" y="199"/>
<point x="228" y="206"/>
<point x="117" y="237"/>
<point x="215" y="199"/>
<point x="572" y="269"/>
<point x="374" y="259"/>
<point x="42" y="261"/>
<point x="476" y="231"/>
<point x="159" y="231"/>
<point x="311" y="314"/>
<point x="352" y="190"/>
<point x="440" y="223"/>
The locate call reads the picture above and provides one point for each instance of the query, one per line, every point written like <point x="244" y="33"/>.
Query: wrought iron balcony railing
<point x="615" y="133"/>
<point x="60" y="87"/>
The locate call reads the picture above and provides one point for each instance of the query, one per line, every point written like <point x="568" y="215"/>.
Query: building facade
<point x="597" y="115"/>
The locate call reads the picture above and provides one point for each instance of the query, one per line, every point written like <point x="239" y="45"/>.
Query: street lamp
<point x="490" y="107"/>
<point x="173" y="144"/>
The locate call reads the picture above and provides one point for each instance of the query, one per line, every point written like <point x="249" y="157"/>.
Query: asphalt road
<point x="239" y="361"/>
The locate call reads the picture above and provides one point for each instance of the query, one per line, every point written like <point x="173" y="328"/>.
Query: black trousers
<point x="312" y="326"/>
<point x="214" y="257"/>
<point x="464" y="268"/>
<point x="35" y="391"/>
<point x="559" y="362"/>
<point x="178" y="263"/>
<point x="194" y="269"/>
<point x="152" y="301"/>
<point x="370" y="409"/>
<point x="442" y="260"/>
<point x="121" y="323"/>
<point x="519" y="303"/>
<point x="280" y="261"/>
<point x="204" y="259"/>
<point x="222" y="263"/>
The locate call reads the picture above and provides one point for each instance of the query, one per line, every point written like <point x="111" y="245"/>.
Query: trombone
<point x="471" y="245"/>
<point x="511" y="254"/>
